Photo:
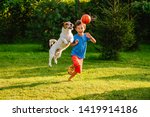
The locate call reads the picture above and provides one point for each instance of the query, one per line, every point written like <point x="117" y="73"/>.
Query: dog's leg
<point x="51" y="55"/>
<point x="50" y="64"/>
<point x="50" y="61"/>
<point x="59" y="54"/>
<point x="55" y="59"/>
<point x="56" y="56"/>
<point x="65" y="41"/>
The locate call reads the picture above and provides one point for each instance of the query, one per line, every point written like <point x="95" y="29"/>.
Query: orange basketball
<point x="86" y="19"/>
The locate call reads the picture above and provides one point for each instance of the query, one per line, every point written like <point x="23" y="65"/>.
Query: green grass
<point x="25" y="75"/>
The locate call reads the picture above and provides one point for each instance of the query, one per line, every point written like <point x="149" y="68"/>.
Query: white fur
<point x="66" y="37"/>
<point x="51" y="42"/>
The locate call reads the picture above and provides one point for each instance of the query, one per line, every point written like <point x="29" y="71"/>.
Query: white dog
<point x="57" y="46"/>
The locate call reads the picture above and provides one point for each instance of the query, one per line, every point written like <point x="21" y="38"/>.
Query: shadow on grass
<point x="23" y="86"/>
<point x="37" y="72"/>
<point x="130" y="94"/>
<point x="32" y="85"/>
<point x="132" y="77"/>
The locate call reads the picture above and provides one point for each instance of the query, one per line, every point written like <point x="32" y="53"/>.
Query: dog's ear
<point x="62" y="24"/>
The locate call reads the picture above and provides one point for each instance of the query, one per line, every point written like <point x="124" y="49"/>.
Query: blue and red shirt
<point x="80" y="49"/>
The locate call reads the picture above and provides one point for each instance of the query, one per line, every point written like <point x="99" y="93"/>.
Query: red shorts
<point x="77" y="62"/>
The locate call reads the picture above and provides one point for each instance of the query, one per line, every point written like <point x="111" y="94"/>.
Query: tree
<point x="114" y="30"/>
<point x="14" y="17"/>
<point x="141" y="12"/>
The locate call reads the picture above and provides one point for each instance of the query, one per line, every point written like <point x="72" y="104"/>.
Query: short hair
<point x="79" y="22"/>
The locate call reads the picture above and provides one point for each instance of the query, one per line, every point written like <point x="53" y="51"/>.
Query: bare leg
<point x="72" y="75"/>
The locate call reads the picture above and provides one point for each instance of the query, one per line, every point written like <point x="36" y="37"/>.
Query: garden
<point x="117" y="67"/>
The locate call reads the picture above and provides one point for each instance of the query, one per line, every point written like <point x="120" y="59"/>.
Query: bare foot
<point x="69" y="80"/>
<point x="72" y="75"/>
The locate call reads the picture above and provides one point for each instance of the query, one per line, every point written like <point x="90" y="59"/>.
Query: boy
<point x="79" y="47"/>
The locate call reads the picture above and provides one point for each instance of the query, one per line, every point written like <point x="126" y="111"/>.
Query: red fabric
<point x="77" y="62"/>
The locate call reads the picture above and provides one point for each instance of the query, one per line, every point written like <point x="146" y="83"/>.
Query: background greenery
<point x="119" y="26"/>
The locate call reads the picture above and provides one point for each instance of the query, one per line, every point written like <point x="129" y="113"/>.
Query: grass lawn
<point x="25" y="75"/>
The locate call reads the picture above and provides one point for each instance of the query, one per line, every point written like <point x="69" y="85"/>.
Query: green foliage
<point x="47" y="20"/>
<point x="40" y="20"/>
<point x="15" y="16"/>
<point x="113" y="30"/>
<point x="141" y="13"/>
<point x="36" y="20"/>
<point x="141" y="7"/>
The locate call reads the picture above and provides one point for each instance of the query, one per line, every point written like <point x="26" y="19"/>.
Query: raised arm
<point x="92" y="39"/>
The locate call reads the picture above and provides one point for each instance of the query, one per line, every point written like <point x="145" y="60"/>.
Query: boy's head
<point x="79" y="26"/>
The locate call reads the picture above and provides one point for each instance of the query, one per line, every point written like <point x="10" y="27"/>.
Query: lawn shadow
<point x="43" y="71"/>
<point x="58" y="82"/>
<point x="32" y="85"/>
<point x="132" y="77"/>
<point x="23" y="86"/>
<point x="130" y="94"/>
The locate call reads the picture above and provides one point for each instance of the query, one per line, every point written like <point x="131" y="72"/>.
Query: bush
<point x="141" y="12"/>
<point x="113" y="30"/>
<point x="47" y="21"/>
<point x="33" y="20"/>
<point x="15" y="15"/>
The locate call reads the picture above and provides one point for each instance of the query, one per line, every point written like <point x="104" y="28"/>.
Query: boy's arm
<point x="75" y="43"/>
<point x="92" y="39"/>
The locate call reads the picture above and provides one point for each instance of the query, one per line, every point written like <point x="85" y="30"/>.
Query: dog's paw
<point x="55" y="61"/>
<point x="49" y="65"/>
<point x="66" y="42"/>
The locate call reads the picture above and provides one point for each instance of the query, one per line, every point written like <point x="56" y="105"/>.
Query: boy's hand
<point x="88" y="35"/>
<point x="76" y="42"/>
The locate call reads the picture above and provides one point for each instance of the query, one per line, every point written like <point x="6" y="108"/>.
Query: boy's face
<point x="80" y="28"/>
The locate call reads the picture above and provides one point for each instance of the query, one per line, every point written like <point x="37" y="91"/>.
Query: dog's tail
<point x="52" y="42"/>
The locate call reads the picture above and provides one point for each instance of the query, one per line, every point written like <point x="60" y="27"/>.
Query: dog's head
<point x="68" y="25"/>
